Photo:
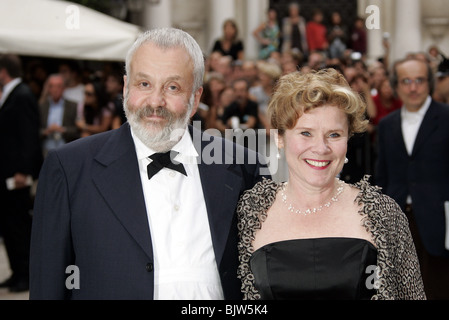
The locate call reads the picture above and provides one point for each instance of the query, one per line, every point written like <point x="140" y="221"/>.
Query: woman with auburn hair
<point x="316" y="237"/>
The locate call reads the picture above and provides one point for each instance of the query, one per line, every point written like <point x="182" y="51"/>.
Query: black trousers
<point x="15" y="229"/>
<point x="434" y="270"/>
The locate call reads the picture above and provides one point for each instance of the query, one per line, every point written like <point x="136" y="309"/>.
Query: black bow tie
<point x="164" y="160"/>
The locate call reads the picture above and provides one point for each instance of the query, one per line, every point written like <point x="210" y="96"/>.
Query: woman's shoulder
<point x="264" y="187"/>
<point x="258" y="199"/>
<point x="370" y="190"/>
<point x="376" y="204"/>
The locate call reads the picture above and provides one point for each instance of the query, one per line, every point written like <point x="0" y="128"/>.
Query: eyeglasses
<point x="408" y="82"/>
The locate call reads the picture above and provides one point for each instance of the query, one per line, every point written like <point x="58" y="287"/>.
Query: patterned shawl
<point x="399" y="273"/>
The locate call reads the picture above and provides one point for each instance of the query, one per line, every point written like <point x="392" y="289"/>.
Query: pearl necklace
<point x="312" y="210"/>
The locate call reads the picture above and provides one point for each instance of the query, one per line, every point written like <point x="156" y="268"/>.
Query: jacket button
<point x="149" y="267"/>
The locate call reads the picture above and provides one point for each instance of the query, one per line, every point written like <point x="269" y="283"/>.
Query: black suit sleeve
<point x="51" y="248"/>
<point x="27" y="148"/>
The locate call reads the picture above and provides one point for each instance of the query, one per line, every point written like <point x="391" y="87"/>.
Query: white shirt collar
<point x="8" y="88"/>
<point x="411" y="122"/>
<point x="421" y="111"/>
<point x="187" y="152"/>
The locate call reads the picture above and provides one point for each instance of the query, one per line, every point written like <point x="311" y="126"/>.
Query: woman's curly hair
<point x="296" y="93"/>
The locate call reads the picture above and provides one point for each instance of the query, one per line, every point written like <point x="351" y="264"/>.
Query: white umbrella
<point x="62" y="29"/>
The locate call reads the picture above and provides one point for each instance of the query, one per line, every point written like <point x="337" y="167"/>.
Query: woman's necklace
<point x="312" y="210"/>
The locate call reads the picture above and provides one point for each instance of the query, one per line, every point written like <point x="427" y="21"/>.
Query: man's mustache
<point x="148" y="111"/>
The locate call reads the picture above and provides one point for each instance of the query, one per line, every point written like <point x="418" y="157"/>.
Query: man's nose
<point x="413" y="86"/>
<point x="156" y="99"/>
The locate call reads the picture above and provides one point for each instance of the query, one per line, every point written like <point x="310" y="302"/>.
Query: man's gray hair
<point x="166" y="38"/>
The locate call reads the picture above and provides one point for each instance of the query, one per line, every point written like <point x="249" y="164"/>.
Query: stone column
<point x="436" y="25"/>
<point x="375" y="47"/>
<point x="157" y="15"/>
<point x="256" y="13"/>
<point x="192" y="17"/>
<point x="407" y="34"/>
<point x="220" y="10"/>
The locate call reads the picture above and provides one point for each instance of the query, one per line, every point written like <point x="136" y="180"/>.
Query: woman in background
<point x="97" y="111"/>
<point x="229" y="44"/>
<point x="268" y="35"/>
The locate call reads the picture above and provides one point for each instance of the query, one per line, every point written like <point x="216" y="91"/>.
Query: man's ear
<point x="196" y="100"/>
<point x="125" y="85"/>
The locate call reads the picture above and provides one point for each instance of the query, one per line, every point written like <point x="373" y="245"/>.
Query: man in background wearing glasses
<point x="413" y="167"/>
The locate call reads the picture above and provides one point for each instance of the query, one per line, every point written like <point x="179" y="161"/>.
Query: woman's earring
<point x="278" y="155"/>
<point x="346" y="160"/>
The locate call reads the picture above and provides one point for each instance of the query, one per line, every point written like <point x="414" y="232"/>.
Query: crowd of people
<point x="240" y="88"/>
<point x="75" y="103"/>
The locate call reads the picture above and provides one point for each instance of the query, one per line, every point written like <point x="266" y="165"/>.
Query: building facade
<point x="410" y="25"/>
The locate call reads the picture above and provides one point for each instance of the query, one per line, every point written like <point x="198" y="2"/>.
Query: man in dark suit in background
<point x="413" y="167"/>
<point x="58" y="116"/>
<point x="114" y="219"/>
<point x="19" y="164"/>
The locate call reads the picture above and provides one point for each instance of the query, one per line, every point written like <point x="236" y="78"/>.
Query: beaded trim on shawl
<point x="399" y="275"/>
<point x="252" y="211"/>
<point x="368" y="199"/>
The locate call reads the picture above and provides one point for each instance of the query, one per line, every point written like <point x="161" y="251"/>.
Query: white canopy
<point x="61" y="29"/>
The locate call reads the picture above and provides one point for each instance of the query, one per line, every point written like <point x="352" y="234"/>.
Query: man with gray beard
<point x="141" y="212"/>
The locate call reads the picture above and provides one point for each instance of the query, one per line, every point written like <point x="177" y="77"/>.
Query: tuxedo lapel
<point x="221" y="189"/>
<point x="7" y="102"/>
<point x="428" y="126"/>
<point x="396" y="135"/>
<point x="117" y="178"/>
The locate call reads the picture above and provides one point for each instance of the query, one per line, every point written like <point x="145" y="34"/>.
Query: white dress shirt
<point x="7" y="88"/>
<point x="410" y="123"/>
<point x="55" y="116"/>
<point x="184" y="259"/>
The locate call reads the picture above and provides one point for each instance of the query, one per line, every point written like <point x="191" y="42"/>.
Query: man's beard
<point x="160" y="137"/>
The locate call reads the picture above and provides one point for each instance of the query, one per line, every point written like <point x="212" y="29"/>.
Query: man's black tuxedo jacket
<point x="424" y="174"/>
<point x="90" y="212"/>
<point x="19" y="135"/>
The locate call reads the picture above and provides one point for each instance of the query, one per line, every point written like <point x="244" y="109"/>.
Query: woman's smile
<point x="318" y="164"/>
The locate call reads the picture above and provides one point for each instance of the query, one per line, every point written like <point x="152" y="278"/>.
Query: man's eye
<point x="173" y="88"/>
<point x="144" y="84"/>
<point x="306" y="133"/>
